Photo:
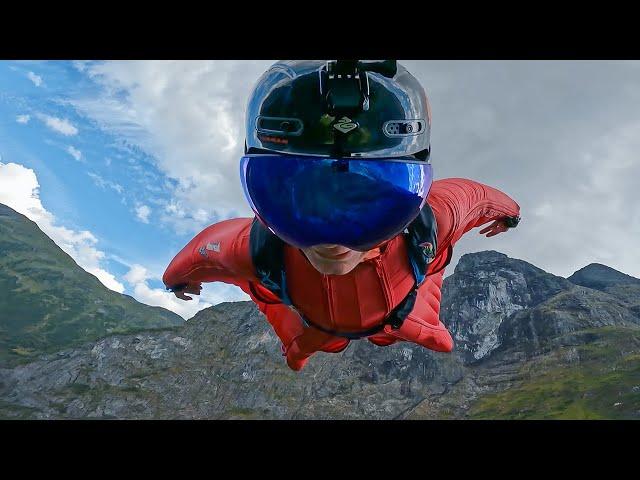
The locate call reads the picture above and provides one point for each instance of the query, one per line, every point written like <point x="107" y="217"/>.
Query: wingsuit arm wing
<point x="217" y="254"/>
<point x="461" y="205"/>
<point x="220" y="253"/>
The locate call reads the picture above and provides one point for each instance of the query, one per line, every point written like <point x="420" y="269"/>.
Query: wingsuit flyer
<point x="334" y="239"/>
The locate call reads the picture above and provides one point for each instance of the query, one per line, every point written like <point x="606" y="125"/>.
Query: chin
<point x="332" y="268"/>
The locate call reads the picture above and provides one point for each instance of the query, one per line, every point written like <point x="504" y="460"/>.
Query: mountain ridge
<point x="528" y="344"/>
<point x="600" y="277"/>
<point x="568" y="352"/>
<point x="48" y="302"/>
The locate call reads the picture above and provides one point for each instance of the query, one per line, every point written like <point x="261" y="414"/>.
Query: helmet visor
<point x="356" y="203"/>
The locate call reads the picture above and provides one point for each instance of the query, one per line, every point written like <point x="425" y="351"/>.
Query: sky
<point x="121" y="163"/>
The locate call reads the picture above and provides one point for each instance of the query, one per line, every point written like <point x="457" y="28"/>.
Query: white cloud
<point x="74" y="152"/>
<point x="23" y="119"/>
<point x="190" y="116"/>
<point x="19" y="189"/>
<point x="60" y="125"/>
<point x="218" y="292"/>
<point x="80" y="65"/>
<point x="36" y="79"/>
<point x="543" y="210"/>
<point x="137" y="278"/>
<point x="559" y="137"/>
<point x="136" y="274"/>
<point x="143" y="212"/>
<point x="104" y="184"/>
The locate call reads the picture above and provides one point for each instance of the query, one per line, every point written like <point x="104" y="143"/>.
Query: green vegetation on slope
<point x="47" y="302"/>
<point x="604" y="382"/>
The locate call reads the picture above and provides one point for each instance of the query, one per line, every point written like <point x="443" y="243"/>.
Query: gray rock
<point x="511" y="321"/>
<point x="485" y="289"/>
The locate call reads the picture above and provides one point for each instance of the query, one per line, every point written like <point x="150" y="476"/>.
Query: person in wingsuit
<point x="351" y="234"/>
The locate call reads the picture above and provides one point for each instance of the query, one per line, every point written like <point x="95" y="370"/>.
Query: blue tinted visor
<point x="356" y="203"/>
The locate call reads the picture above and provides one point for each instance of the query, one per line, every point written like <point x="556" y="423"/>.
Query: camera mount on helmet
<point x="344" y="84"/>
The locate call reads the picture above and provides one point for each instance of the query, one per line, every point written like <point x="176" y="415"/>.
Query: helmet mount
<point x="338" y="108"/>
<point x="344" y="84"/>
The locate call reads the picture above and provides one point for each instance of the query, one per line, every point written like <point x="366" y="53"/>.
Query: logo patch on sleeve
<point x="214" y="247"/>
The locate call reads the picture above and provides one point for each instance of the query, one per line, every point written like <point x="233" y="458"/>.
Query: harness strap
<point x="394" y="319"/>
<point x="267" y="255"/>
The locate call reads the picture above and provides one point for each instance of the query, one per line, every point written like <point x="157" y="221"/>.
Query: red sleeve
<point x="220" y="253"/>
<point x="460" y="205"/>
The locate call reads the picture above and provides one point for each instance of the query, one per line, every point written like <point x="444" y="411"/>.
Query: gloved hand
<point x="180" y="290"/>
<point x="500" y="226"/>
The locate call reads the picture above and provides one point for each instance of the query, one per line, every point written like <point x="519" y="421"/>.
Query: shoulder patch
<point x="214" y="247"/>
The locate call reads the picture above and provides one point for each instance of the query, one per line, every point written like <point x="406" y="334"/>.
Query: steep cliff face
<point x="528" y="345"/>
<point x="573" y="355"/>
<point x="573" y="310"/>
<point x="486" y="289"/>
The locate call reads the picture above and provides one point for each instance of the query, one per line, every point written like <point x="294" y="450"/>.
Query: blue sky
<point x="100" y="189"/>
<point x="100" y="177"/>
<point x="121" y="163"/>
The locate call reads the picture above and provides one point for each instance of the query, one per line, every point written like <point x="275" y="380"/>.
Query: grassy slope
<point x="47" y="302"/>
<point x="603" y="384"/>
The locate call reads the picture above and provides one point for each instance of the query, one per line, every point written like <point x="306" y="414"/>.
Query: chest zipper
<point x="327" y="286"/>
<point x="386" y="286"/>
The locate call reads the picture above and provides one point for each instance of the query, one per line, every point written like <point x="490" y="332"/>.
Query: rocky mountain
<point x="47" y="302"/>
<point x="572" y="353"/>
<point x="601" y="277"/>
<point x="484" y="291"/>
<point x="224" y="363"/>
<point x="528" y="345"/>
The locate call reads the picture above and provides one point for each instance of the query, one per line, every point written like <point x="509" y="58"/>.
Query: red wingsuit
<point x="358" y="300"/>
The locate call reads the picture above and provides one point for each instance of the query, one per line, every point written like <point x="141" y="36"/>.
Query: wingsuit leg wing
<point x="459" y="205"/>
<point x="423" y="325"/>
<point x="311" y="341"/>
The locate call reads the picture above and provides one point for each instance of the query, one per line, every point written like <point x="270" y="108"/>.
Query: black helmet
<point x="337" y="152"/>
<point x="343" y="108"/>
